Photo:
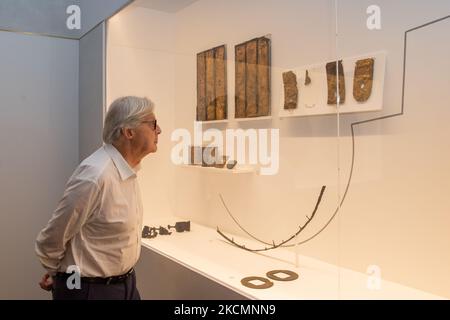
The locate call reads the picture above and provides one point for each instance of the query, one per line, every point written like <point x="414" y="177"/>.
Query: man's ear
<point x="128" y="133"/>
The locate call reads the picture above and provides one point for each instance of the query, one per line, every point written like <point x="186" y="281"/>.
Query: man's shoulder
<point x="94" y="167"/>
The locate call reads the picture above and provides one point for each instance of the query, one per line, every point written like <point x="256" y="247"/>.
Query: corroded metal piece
<point x="181" y="226"/>
<point x="252" y="78"/>
<point x="204" y="156"/>
<point x="290" y="90"/>
<point x="273" y="275"/>
<point x="332" y="82"/>
<point x="363" y="79"/>
<point x="247" y="282"/>
<point x="307" y="78"/>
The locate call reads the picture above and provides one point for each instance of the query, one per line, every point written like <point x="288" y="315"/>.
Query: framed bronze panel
<point x="252" y="78"/>
<point x="212" y="84"/>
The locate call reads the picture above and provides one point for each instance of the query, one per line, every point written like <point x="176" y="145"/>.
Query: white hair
<point x="125" y="112"/>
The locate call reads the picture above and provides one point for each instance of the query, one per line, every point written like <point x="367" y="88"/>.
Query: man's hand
<point x="46" y="282"/>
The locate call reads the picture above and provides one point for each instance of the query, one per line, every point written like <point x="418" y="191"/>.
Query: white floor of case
<point x="204" y="251"/>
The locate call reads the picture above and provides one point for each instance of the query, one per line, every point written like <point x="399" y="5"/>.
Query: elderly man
<point x="95" y="231"/>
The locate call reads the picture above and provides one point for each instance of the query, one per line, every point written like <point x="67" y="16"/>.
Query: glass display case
<point x="337" y="112"/>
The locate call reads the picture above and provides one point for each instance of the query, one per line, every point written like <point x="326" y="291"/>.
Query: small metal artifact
<point x="163" y="231"/>
<point x="307" y="78"/>
<point x="363" y="79"/>
<point x="220" y="163"/>
<point x="273" y="275"/>
<point x="247" y="281"/>
<point x="181" y="226"/>
<point x="231" y="164"/>
<point x="209" y="156"/>
<point x="152" y="232"/>
<point x="290" y="90"/>
<point x="149" y="232"/>
<point x="332" y="82"/>
<point x="204" y="156"/>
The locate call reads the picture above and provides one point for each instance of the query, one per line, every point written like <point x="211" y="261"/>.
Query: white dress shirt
<point x="97" y="223"/>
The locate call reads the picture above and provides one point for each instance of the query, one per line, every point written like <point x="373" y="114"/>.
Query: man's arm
<point x="73" y="210"/>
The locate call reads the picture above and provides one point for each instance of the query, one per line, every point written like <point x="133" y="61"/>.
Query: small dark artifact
<point x="152" y="232"/>
<point x="181" y="226"/>
<point x="163" y="231"/>
<point x="220" y="163"/>
<point x="272" y="245"/>
<point x="231" y="164"/>
<point x="273" y="275"/>
<point x="363" y="79"/>
<point x="290" y="90"/>
<point x="204" y="156"/>
<point x="332" y="81"/>
<point x="149" y="232"/>
<point x="307" y="78"/>
<point x="247" y="282"/>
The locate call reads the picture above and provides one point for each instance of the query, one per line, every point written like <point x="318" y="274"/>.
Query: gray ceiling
<point x="48" y="17"/>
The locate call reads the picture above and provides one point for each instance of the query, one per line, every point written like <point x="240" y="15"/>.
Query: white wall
<point x="140" y="61"/>
<point x="96" y="11"/>
<point x="394" y="215"/>
<point x="39" y="149"/>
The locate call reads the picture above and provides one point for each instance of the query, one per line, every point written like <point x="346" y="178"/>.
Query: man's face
<point x="146" y="138"/>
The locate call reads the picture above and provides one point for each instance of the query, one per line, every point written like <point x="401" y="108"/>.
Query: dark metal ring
<point x="247" y="282"/>
<point x="272" y="275"/>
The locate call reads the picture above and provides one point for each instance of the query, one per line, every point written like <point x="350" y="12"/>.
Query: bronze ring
<point x="247" y="282"/>
<point x="272" y="275"/>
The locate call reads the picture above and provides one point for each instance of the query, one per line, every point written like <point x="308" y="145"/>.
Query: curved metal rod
<point x="273" y="245"/>
<point x="329" y="220"/>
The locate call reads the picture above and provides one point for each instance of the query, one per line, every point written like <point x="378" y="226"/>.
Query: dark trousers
<point x="125" y="290"/>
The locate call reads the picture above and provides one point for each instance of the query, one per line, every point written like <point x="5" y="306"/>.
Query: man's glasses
<point x="153" y="123"/>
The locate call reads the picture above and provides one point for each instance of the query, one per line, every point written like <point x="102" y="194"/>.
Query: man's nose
<point x="158" y="129"/>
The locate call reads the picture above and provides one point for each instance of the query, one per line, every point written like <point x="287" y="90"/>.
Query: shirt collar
<point x="125" y="171"/>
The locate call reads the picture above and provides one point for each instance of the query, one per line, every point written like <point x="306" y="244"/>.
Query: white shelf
<point x="297" y="114"/>
<point x="238" y="170"/>
<point x="213" y="121"/>
<point x="203" y="251"/>
<point x="235" y="119"/>
<point x="253" y="119"/>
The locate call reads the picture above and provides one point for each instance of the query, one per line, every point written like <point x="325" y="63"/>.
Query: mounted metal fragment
<point x="332" y="81"/>
<point x="290" y="90"/>
<point x="363" y="79"/>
